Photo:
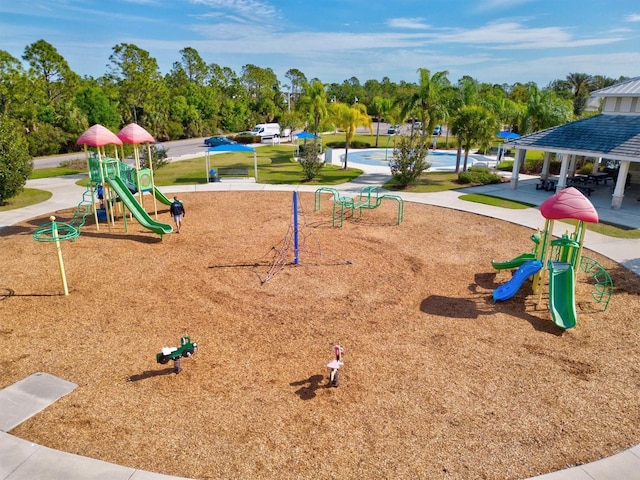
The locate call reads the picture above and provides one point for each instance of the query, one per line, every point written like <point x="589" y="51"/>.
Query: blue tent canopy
<point x="507" y="135"/>
<point x="305" y="135"/>
<point x="232" y="147"/>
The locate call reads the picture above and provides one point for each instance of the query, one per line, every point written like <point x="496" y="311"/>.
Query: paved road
<point x="180" y="148"/>
<point x="175" y="148"/>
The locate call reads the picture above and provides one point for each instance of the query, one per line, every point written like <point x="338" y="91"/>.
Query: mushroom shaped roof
<point x="134" y="133"/>
<point x="98" y="136"/>
<point x="569" y="204"/>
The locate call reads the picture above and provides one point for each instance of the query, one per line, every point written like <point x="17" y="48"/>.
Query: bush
<point x="246" y="139"/>
<point x="311" y="146"/>
<point x="353" y="144"/>
<point x="15" y="161"/>
<point x="409" y="159"/>
<point x="309" y="160"/>
<point x="479" y="176"/>
<point x="586" y="169"/>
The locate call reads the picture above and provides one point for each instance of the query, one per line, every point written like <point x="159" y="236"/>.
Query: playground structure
<point x="334" y="365"/>
<point x="369" y="198"/>
<point x="186" y="349"/>
<point x="54" y="232"/>
<point x="120" y="181"/>
<point x="561" y="258"/>
<point x="295" y="242"/>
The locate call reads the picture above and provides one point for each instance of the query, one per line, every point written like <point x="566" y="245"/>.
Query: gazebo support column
<point x="621" y="180"/>
<point x="572" y="165"/>
<point x="515" y="172"/>
<point x="564" y="167"/>
<point x="545" y="165"/>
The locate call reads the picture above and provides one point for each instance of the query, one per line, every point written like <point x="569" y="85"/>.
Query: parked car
<point x="217" y="141"/>
<point x="393" y="129"/>
<point x="438" y="130"/>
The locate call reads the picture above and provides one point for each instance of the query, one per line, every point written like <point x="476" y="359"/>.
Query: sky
<point x="493" y="41"/>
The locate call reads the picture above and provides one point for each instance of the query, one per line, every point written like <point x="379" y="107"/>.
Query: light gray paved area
<point x="22" y="460"/>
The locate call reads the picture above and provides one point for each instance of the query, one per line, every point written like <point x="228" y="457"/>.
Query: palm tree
<point x="581" y="85"/>
<point x="426" y="99"/>
<point x="543" y="110"/>
<point x="348" y="118"/>
<point x="382" y="108"/>
<point x="473" y="124"/>
<point x="314" y="102"/>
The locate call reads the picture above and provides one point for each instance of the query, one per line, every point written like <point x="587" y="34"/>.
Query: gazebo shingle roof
<point x="615" y="137"/>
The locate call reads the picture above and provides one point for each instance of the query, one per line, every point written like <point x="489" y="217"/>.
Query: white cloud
<point x="245" y="8"/>
<point x="633" y="17"/>
<point x="407" y="23"/>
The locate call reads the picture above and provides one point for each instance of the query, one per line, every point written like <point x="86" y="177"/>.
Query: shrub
<point x="309" y="160"/>
<point x="353" y="144"/>
<point x="478" y="175"/>
<point x="586" y="169"/>
<point x="246" y="139"/>
<point x="409" y="159"/>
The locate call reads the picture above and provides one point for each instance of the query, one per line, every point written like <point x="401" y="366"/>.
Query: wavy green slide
<point x="161" y="197"/>
<point x="138" y="212"/>
<point x="562" y="294"/>
<point x="514" y="262"/>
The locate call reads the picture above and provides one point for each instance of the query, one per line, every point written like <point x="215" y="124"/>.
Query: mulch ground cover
<point x="438" y="380"/>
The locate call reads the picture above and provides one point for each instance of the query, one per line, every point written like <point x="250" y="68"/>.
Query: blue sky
<point x="494" y="41"/>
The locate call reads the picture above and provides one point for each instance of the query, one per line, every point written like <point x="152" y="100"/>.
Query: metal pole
<point x="54" y="233"/>
<point x="295" y="228"/>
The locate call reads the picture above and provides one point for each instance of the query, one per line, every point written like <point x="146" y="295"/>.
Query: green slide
<point x="138" y="212"/>
<point x="562" y="294"/>
<point x="160" y="196"/>
<point x="514" y="262"/>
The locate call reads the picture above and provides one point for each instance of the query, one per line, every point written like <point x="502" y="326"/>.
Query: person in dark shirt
<point x="177" y="210"/>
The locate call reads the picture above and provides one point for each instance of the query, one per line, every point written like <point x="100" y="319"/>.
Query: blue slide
<point x="509" y="289"/>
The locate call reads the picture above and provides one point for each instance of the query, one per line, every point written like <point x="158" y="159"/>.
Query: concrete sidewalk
<point x="22" y="460"/>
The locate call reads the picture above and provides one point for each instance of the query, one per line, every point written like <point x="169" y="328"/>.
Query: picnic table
<point x="547" y="184"/>
<point x="599" y="177"/>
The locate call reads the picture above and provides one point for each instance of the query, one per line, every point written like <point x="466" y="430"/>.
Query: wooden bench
<point x="233" y="172"/>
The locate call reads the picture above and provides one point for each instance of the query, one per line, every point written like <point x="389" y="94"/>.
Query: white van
<point x="266" y="130"/>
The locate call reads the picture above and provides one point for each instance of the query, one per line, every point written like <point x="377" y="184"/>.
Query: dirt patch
<point x="438" y="381"/>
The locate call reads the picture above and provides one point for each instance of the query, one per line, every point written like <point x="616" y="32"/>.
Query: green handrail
<point x="603" y="287"/>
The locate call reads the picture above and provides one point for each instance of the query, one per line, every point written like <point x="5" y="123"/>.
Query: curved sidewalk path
<point x="23" y="460"/>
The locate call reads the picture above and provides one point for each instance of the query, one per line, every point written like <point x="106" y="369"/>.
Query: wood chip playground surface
<point x="438" y="381"/>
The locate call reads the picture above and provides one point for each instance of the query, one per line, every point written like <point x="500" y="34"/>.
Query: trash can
<point x="102" y="214"/>
<point x="328" y="154"/>
<point x="213" y="175"/>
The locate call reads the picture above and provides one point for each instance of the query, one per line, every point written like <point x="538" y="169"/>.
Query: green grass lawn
<point x="277" y="166"/>
<point x="54" y="172"/>
<point x="29" y="196"/>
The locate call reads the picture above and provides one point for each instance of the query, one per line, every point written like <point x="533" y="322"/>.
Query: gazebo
<point x="613" y="135"/>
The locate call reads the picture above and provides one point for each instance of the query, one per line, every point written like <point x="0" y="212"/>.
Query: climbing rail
<point x="369" y="198"/>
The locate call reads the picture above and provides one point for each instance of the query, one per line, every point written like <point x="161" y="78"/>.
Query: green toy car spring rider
<point x="186" y="349"/>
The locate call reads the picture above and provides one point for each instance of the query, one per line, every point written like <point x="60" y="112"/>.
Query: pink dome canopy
<point x="98" y="136"/>
<point x="569" y="204"/>
<point x="134" y="133"/>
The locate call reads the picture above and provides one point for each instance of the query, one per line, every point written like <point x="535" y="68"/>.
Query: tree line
<point x="52" y="105"/>
<point x="45" y="106"/>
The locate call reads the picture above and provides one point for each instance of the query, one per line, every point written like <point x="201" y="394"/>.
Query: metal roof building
<point x="613" y="135"/>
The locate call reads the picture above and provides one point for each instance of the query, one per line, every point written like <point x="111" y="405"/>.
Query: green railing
<point x="603" y="286"/>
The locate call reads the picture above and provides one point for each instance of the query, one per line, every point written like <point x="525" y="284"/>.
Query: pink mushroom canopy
<point x="569" y="204"/>
<point x="98" y="136"/>
<point x="135" y="134"/>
